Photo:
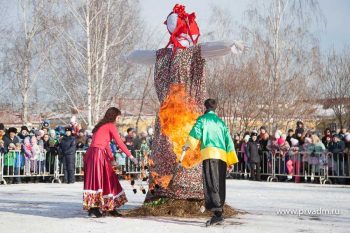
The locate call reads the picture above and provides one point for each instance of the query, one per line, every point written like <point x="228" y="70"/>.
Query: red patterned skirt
<point x="101" y="185"/>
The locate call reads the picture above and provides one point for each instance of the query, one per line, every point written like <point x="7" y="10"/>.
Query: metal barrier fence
<point x="275" y="166"/>
<point x="15" y="166"/>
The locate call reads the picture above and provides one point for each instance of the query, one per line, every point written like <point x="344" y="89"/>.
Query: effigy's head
<point x="183" y="28"/>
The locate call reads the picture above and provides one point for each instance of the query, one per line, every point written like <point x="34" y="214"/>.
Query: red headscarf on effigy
<point x="183" y="28"/>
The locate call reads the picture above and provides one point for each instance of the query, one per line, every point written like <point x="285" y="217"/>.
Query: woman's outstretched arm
<point x="118" y="140"/>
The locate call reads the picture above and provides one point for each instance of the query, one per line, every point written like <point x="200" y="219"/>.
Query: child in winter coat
<point x="88" y="143"/>
<point x="28" y="155"/>
<point x="253" y="148"/>
<point x="19" y="162"/>
<point x="293" y="161"/>
<point x="245" y="162"/>
<point x="36" y="155"/>
<point x="279" y="148"/>
<point x="9" y="160"/>
<point x="52" y="152"/>
<point x="315" y="151"/>
<point x="81" y="139"/>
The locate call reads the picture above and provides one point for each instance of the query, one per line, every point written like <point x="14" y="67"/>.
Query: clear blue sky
<point x="336" y="12"/>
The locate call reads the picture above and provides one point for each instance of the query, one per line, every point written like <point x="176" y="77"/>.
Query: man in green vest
<point x="217" y="152"/>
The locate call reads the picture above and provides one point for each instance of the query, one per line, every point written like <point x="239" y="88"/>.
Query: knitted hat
<point x="246" y="138"/>
<point x="68" y="129"/>
<point x="278" y="134"/>
<point x="52" y="131"/>
<point x="24" y="128"/>
<point x="254" y="133"/>
<point x="26" y="140"/>
<point x="2" y="127"/>
<point x="347" y="137"/>
<point x="12" y="130"/>
<point x="299" y="123"/>
<point x="280" y="141"/>
<point x="46" y="124"/>
<point x="130" y="129"/>
<point x="37" y="133"/>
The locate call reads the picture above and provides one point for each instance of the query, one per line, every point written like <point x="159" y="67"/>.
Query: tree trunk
<point x="26" y="82"/>
<point x="89" y="68"/>
<point x="143" y="99"/>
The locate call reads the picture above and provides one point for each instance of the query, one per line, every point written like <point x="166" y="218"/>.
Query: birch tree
<point x="26" y="51"/>
<point x="283" y="47"/>
<point x="335" y="84"/>
<point x="88" y="62"/>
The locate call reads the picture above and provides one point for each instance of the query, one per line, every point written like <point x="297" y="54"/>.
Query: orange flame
<point x="163" y="181"/>
<point x="177" y="116"/>
<point x="154" y="175"/>
<point x="151" y="163"/>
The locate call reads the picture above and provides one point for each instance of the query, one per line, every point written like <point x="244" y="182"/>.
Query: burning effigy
<point x="180" y="86"/>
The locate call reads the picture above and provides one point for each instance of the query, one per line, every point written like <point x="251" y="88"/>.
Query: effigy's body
<point x="184" y="69"/>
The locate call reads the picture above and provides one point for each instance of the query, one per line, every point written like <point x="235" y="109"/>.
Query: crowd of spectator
<point x="296" y="152"/>
<point x="30" y="154"/>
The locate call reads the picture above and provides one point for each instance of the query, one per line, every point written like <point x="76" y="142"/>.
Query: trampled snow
<point x="57" y="208"/>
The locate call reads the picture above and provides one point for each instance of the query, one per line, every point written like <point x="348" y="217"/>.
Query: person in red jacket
<point x="102" y="190"/>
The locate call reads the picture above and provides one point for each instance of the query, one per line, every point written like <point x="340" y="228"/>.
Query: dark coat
<point x="7" y="141"/>
<point x="263" y="143"/>
<point x="337" y="148"/>
<point x="81" y="142"/>
<point x="67" y="146"/>
<point x="253" y="149"/>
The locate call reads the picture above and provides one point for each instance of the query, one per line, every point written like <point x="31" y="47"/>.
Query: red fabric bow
<point x="180" y="11"/>
<point x="186" y="24"/>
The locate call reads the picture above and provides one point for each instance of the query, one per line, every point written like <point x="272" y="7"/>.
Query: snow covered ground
<point x="57" y="208"/>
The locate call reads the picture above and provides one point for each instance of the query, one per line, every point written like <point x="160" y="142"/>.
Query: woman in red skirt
<point x="102" y="190"/>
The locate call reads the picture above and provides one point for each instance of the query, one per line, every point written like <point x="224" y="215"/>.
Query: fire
<point x="154" y="174"/>
<point x="150" y="162"/>
<point x="162" y="181"/>
<point x="165" y="180"/>
<point x="177" y="116"/>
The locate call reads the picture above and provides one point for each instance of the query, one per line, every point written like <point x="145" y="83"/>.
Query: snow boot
<point x="215" y="220"/>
